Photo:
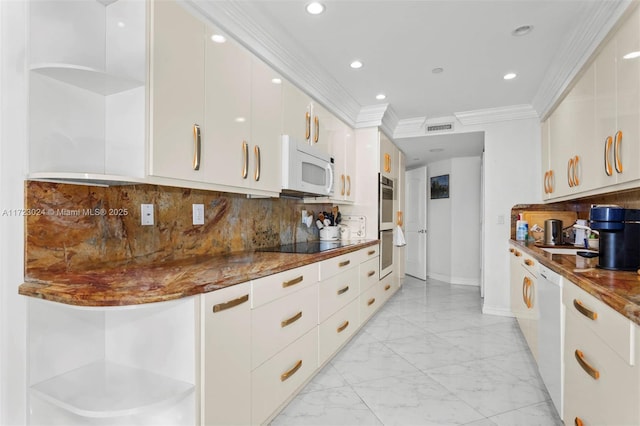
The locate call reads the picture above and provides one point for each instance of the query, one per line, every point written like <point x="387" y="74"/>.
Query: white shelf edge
<point x="136" y="390"/>
<point x="95" y="179"/>
<point x="92" y="79"/>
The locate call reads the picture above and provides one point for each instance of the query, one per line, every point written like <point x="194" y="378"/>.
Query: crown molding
<point x="390" y="121"/>
<point x="370" y="116"/>
<point x="572" y="56"/>
<point x="493" y="115"/>
<point x="409" y="128"/>
<point x="235" y="17"/>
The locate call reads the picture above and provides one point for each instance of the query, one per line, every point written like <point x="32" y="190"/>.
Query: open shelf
<point x="95" y="179"/>
<point x="91" y="79"/>
<point x="104" y="389"/>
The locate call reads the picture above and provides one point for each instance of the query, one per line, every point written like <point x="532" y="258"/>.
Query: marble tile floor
<point x="428" y="357"/>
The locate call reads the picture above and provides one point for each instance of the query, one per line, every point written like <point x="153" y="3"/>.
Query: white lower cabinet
<point x="277" y="324"/>
<point x="337" y="329"/>
<point x="369" y="302"/>
<point x="281" y="376"/>
<point x="602" y="379"/>
<point x="226" y="356"/>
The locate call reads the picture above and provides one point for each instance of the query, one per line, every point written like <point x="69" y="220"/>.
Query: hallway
<point x="428" y="357"/>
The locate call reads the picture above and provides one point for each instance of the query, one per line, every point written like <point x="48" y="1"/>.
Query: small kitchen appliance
<point x="553" y="232"/>
<point x="619" y="244"/>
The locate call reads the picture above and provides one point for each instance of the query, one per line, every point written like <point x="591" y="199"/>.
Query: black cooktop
<point x="308" y="247"/>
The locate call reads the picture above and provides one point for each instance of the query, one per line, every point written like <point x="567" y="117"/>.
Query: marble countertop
<point x="134" y="283"/>
<point x="618" y="289"/>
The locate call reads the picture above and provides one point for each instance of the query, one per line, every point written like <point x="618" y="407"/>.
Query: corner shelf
<point x="91" y="79"/>
<point x="104" y="389"/>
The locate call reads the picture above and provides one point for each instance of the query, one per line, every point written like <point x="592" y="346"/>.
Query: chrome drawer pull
<point x="230" y="304"/>
<point x="343" y="290"/>
<point x="292" y="282"/>
<point x="286" y="375"/>
<point x="291" y="320"/>
<point x="584" y="311"/>
<point x="585" y="365"/>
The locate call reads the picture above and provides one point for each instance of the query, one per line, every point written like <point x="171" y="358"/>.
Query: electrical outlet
<point x="146" y="214"/>
<point x="198" y="214"/>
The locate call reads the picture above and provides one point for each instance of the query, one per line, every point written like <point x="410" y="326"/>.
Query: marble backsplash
<point x="71" y="227"/>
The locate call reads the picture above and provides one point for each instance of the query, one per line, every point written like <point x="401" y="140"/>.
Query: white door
<point x="416" y="223"/>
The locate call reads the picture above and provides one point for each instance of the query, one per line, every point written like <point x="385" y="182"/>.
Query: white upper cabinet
<point x="624" y="156"/>
<point x="177" y="94"/>
<point x="304" y="119"/>
<point x="388" y="158"/>
<point x="87" y="79"/>
<point x="342" y="148"/>
<point x="593" y="133"/>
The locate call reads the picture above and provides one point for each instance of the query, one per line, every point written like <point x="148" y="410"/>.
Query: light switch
<point x="146" y="214"/>
<point x="198" y="214"/>
<point x="500" y="220"/>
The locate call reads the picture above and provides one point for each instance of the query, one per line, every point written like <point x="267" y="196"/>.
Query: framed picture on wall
<point x="439" y="187"/>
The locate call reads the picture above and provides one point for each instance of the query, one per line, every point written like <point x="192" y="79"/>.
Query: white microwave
<point x="305" y="169"/>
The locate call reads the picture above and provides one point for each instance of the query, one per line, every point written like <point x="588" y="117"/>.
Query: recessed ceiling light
<point x="381" y="96"/>
<point x="510" y="76"/>
<point x="240" y="119"/>
<point x="315" y="8"/>
<point x="276" y="80"/>
<point x="121" y="24"/>
<point x="632" y="55"/>
<point x="522" y="30"/>
<point x="356" y="65"/>
<point x="437" y="70"/>
<point x="218" y="38"/>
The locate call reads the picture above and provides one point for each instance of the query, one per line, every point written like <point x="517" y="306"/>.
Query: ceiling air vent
<point x="441" y="127"/>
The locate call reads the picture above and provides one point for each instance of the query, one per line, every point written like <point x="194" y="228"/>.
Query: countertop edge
<point x="102" y="289"/>
<point x="606" y="294"/>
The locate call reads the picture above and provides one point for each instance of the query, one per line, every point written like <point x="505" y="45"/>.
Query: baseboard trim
<point x="494" y="310"/>
<point x="455" y="280"/>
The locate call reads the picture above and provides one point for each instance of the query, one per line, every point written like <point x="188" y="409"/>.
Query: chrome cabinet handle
<point x="197" y="147"/>
<point x="291" y="320"/>
<point x="294" y="281"/>
<point x="284" y="376"/>
<point x="256" y="152"/>
<point x="245" y="159"/>
<point x="230" y="304"/>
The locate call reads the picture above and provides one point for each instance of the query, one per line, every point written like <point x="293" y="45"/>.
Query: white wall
<point x="13" y="154"/>
<point x="454" y="223"/>
<point x="512" y="175"/>
<point x="439" y="227"/>
<point x="465" y="220"/>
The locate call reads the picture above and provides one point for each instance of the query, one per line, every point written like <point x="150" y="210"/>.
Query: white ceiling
<point x="400" y="42"/>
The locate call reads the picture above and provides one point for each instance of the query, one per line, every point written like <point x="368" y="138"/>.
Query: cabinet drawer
<point x="613" y="328"/>
<point x="336" y="292"/>
<point x="335" y="265"/>
<point x="369" y="302"/>
<point x="277" y="379"/>
<point x="264" y="290"/>
<point x="275" y="325"/>
<point x="337" y="329"/>
<point x="369" y="273"/>
<point x="388" y="286"/>
<point x="613" y="397"/>
<point x="368" y="253"/>
<point x="530" y="264"/>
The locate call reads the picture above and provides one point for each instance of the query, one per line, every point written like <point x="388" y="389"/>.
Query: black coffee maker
<point x="619" y="228"/>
